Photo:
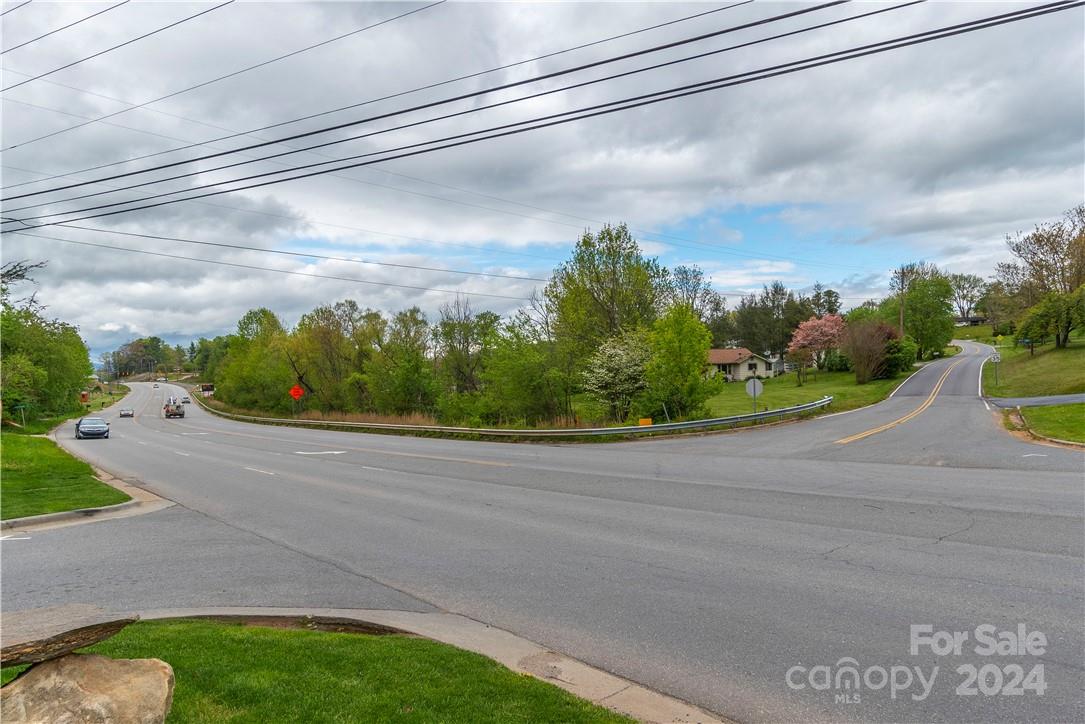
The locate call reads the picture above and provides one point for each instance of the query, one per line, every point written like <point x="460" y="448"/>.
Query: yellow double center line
<point x="914" y="413"/>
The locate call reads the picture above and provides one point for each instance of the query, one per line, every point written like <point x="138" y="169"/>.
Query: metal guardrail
<point x="733" y="420"/>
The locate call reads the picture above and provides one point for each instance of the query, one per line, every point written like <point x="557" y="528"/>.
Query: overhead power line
<point x="236" y="134"/>
<point x="330" y="225"/>
<point x="227" y="75"/>
<point x="119" y="45"/>
<point x="11" y="10"/>
<point x="299" y="254"/>
<point x="670" y="238"/>
<point x="613" y="107"/>
<point x="253" y="267"/>
<point x="456" y="114"/>
<point x="460" y="97"/>
<point x="64" y="27"/>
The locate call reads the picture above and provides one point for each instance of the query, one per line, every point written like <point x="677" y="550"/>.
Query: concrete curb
<point x="143" y="501"/>
<point x="518" y="654"/>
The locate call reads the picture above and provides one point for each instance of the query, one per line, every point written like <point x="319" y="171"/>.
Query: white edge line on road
<point x="140" y="442"/>
<point x="177" y="452"/>
<point x="906" y="381"/>
<point x="257" y="470"/>
<point x="321" y="452"/>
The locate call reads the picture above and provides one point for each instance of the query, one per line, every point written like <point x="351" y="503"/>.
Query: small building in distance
<point x="738" y="363"/>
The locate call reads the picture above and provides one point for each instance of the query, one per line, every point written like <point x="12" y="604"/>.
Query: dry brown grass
<point x="415" y="418"/>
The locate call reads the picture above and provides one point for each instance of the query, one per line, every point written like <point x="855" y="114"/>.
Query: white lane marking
<point x="14" y="536"/>
<point x="195" y="433"/>
<point x="322" y="452"/>
<point x="177" y="452"/>
<point x="1034" y="455"/>
<point x="140" y="442"/>
<point x="257" y="470"/>
<point x="382" y="470"/>
<point x="902" y="384"/>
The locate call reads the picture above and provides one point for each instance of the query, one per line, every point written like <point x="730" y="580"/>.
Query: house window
<point x="752" y="367"/>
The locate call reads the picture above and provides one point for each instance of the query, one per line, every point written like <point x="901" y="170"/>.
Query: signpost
<point x="995" y="359"/>
<point x="753" y="389"/>
<point x="296" y="392"/>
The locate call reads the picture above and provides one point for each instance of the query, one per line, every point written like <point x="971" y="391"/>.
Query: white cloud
<point x="927" y="152"/>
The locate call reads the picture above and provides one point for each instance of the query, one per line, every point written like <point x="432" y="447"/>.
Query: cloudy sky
<point x="833" y="174"/>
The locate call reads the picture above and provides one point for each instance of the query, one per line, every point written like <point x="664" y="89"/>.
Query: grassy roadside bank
<point x="1049" y="371"/>
<point x="784" y="392"/>
<point x="1062" y="422"/>
<point x="228" y="672"/>
<point x="38" y="477"/>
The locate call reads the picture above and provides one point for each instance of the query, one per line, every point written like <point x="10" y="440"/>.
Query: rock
<point x="90" y="689"/>
<point x="46" y="633"/>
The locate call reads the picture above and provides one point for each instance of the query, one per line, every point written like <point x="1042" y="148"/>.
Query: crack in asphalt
<point x="342" y="567"/>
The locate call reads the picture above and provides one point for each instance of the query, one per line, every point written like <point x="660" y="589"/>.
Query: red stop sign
<point x="296" y="392"/>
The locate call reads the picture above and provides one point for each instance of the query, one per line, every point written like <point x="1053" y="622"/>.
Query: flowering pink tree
<point x="813" y="339"/>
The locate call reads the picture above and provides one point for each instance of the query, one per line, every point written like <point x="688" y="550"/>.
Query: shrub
<point x="900" y="355"/>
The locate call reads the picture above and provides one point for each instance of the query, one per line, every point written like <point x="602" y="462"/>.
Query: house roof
<point x="730" y="356"/>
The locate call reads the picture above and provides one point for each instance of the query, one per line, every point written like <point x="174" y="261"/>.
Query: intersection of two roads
<point x="722" y="569"/>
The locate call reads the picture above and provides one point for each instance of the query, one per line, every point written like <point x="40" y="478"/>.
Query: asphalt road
<point x="706" y="567"/>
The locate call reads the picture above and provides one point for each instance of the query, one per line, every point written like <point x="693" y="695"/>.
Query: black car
<point x="91" y="427"/>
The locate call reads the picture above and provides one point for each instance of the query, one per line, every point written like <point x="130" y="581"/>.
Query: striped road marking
<point x="914" y="413"/>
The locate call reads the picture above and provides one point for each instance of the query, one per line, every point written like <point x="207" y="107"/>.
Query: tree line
<point x="613" y="336"/>
<point x="43" y="362"/>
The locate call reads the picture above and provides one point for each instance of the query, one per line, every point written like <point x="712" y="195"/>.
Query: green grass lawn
<point x="784" y="392"/>
<point x="38" y="477"/>
<point x="981" y="333"/>
<point x="236" y="673"/>
<point x="1062" y="422"/>
<point x="1049" y="372"/>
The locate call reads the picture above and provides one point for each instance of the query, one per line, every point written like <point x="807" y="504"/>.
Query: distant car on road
<point x="185" y="400"/>
<point x="127" y="412"/>
<point x="160" y="379"/>
<point x="91" y="427"/>
<point x="156" y="385"/>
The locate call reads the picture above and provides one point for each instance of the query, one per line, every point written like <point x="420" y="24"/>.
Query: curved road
<point x="706" y="567"/>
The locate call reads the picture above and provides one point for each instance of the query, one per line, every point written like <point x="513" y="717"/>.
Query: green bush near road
<point x="1062" y="422"/>
<point x="37" y="477"/>
<point x="228" y="672"/>
<point x="783" y="392"/>
<point x="1050" y="371"/>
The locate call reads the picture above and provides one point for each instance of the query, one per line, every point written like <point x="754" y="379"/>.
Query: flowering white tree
<point x="615" y="372"/>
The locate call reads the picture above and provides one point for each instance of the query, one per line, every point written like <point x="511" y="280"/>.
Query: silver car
<point x="91" y="427"/>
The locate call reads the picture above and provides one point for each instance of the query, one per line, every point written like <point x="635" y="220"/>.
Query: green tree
<point x="677" y="385"/>
<point x="255" y="372"/>
<point x="463" y="339"/>
<point x="1057" y="315"/>
<point x="930" y="314"/>
<point x="607" y="286"/>
<point x="522" y="381"/>
<point x="45" y="362"/>
<point x="967" y="291"/>
<point x="400" y="376"/>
